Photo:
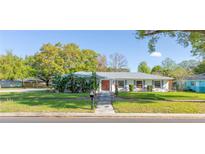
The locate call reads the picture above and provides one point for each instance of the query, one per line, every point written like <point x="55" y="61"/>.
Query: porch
<point x="139" y="85"/>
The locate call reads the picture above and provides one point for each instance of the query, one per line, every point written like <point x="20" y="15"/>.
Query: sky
<point x="105" y="42"/>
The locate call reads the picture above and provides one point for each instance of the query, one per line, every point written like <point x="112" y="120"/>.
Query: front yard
<point x="152" y="102"/>
<point x="44" y="102"/>
<point x="163" y="95"/>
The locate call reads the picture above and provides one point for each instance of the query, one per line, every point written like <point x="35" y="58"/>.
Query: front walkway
<point x="104" y="104"/>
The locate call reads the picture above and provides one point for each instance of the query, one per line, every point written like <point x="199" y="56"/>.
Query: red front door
<point x="105" y="85"/>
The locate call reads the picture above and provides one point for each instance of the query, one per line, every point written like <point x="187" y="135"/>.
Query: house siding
<point x="199" y="85"/>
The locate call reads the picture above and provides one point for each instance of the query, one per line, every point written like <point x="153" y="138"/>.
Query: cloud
<point x="156" y="54"/>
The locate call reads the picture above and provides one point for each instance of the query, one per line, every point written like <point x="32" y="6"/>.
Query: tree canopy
<point x="195" y="38"/>
<point x="200" y="68"/>
<point x="157" y="70"/>
<point x="61" y="59"/>
<point x="13" y="67"/>
<point x="143" y="67"/>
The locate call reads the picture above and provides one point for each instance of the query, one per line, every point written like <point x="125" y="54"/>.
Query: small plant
<point x="150" y="88"/>
<point x="131" y="87"/>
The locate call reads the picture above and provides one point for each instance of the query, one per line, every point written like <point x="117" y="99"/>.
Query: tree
<point x="168" y="65"/>
<point x="195" y="38"/>
<point x="72" y="58"/>
<point x="48" y="62"/>
<point x="179" y="74"/>
<point x="200" y="68"/>
<point x="189" y="65"/>
<point x="89" y="60"/>
<point x="60" y="59"/>
<point x="101" y="63"/>
<point x="144" y="68"/>
<point x="118" y="62"/>
<point x="13" y="67"/>
<point x="157" y="70"/>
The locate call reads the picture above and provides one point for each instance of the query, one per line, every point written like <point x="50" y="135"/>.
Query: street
<point x="96" y="120"/>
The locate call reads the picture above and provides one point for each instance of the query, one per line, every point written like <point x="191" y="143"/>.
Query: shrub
<point x="59" y="83"/>
<point x="131" y="87"/>
<point x="150" y="88"/>
<point x="75" y="83"/>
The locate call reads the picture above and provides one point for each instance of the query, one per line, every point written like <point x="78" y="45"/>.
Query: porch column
<point x="162" y="84"/>
<point x="100" y="85"/>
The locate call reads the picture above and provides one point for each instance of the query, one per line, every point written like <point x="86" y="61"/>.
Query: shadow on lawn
<point x="153" y="96"/>
<point x="55" y="103"/>
<point x="50" y="100"/>
<point x="42" y="94"/>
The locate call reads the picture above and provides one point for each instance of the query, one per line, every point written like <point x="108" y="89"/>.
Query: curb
<point x="94" y="115"/>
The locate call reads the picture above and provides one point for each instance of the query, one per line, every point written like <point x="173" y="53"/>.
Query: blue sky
<point x="103" y="41"/>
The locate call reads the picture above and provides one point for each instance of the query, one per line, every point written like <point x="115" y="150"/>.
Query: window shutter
<point x="162" y="84"/>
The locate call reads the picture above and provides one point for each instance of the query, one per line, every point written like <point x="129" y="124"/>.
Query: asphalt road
<point x="95" y="120"/>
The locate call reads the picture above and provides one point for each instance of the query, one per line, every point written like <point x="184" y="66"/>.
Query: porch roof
<point x="125" y="75"/>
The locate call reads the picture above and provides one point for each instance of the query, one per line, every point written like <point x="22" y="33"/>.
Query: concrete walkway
<point x="104" y="105"/>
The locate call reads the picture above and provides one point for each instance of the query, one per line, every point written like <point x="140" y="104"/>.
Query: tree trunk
<point x="47" y="83"/>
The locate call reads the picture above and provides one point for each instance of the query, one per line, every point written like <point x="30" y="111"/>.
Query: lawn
<point x="162" y="95"/>
<point x="158" y="107"/>
<point x="159" y="102"/>
<point x="44" y="102"/>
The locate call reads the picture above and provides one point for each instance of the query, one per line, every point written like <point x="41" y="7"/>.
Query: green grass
<point x="158" y="107"/>
<point x="163" y="95"/>
<point x="44" y="102"/>
<point x="159" y="102"/>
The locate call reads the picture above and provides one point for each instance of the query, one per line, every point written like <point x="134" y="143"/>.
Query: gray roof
<point x="126" y="75"/>
<point x="197" y="77"/>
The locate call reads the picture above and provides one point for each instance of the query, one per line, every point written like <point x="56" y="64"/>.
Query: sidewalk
<point x="127" y="115"/>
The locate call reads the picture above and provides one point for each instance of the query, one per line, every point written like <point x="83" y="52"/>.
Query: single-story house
<point x="109" y="80"/>
<point x="195" y="83"/>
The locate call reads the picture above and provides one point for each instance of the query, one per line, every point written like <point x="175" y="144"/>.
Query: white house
<point x="108" y="80"/>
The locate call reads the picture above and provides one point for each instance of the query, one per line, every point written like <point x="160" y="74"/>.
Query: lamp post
<point x="92" y="96"/>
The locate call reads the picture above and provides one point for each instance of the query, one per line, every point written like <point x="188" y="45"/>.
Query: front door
<point x="105" y="85"/>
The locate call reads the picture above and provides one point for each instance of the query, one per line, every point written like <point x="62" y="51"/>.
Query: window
<point x="139" y="84"/>
<point x="121" y="84"/>
<point x="157" y="84"/>
<point x="193" y="83"/>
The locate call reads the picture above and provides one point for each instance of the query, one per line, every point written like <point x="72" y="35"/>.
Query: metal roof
<point x="197" y="77"/>
<point x="125" y="75"/>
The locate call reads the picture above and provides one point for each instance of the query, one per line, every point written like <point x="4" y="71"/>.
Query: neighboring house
<point x="34" y="83"/>
<point x="10" y="83"/>
<point x="108" y="80"/>
<point x="195" y="83"/>
<point x="28" y="83"/>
